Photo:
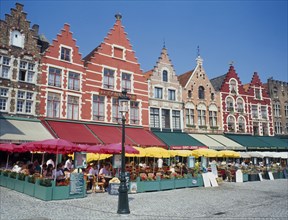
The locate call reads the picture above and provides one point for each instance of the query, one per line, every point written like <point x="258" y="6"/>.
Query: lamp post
<point x="123" y="204"/>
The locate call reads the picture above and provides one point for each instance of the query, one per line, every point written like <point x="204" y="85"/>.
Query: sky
<point x="252" y="34"/>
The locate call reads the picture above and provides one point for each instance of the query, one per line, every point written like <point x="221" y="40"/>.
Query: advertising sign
<point x="76" y="183"/>
<point x="80" y="160"/>
<point x="191" y="162"/>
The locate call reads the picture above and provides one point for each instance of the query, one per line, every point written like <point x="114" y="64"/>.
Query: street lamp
<point x="123" y="204"/>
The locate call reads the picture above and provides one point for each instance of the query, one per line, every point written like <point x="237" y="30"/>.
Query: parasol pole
<point x="7" y="160"/>
<point x="31" y="156"/>
<point x="42" y="163"/>
<point x="56" y="165"/>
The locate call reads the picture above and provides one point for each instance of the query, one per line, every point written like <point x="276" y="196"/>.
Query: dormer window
<point x="65" y="54"/>
<point x="257" y="93"/>
<point x="17" y="39"/>
<point x="165" y="76"/>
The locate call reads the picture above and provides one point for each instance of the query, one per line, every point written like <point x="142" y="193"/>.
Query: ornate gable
<point x="232" y="74"/>
<point x="257" y="84"/>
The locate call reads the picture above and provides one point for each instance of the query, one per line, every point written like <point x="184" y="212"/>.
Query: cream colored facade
<point x="165" y="96"/>
<point x="201" y="102"/>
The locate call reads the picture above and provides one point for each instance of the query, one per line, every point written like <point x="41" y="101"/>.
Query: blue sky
<point x="252" y="34"/>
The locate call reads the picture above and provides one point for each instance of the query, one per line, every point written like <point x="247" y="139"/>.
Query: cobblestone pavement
<point x="250" y="200"/>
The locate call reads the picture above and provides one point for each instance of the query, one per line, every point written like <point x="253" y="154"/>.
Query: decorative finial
<point x="163" y="42"/>
<point x="198" y="51"/>
<point x="118" y="16"/>
<point x="231" y="63"/>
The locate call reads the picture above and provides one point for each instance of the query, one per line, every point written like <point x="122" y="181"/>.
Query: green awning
<point x="179" y="140"/>
<point x="274" y="142"/>
<point x="249" y="141"/>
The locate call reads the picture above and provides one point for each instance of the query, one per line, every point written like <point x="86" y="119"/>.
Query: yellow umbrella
<point x="142" y="152"/>
<point x="181" y="153"/>
<point x="157" y="152"/>
<point x="92" y="156"/>
<point x="228" y="153"/>
<point x="205" y="152"/>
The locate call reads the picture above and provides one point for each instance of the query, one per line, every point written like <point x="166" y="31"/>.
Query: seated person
<point x="59" y="173"/>
<point x="93" y="173"/>
<point x="105" y="172"/>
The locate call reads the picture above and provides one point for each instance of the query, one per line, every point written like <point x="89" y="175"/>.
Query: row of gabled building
<point x="76" y="98"/>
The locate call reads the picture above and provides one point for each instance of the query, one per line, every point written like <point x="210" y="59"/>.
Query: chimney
<point x="35" y="27"/>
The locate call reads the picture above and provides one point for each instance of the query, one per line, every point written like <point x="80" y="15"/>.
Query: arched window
<point x="233" y="86"/>
<point x="201" y="92"/>
<point x="231" y="124"/>
<point x="229" y="104"/>
<point x="275" y="92"/>
<point x="241" y="124"/>
<point x="165" y="76"/>
<point x="240" y="105"/>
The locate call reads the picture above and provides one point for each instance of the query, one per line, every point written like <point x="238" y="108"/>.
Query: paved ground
<point x="250" y="200"/>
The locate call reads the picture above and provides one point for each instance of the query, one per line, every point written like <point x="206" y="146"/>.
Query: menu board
<point x="76" y="183"/>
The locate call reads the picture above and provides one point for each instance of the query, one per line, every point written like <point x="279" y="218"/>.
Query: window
<point x="286" y="110"/>
<point x="255" y="128"/>
<point x="229" y="104"/>
<point x="165" y="76"/>
<point x="254" y="111"/>
<point x="265" y="129"/>
<point x="4" y="67"/>
<point x="275" y="92"/>
<point x="231" y="124"/>
<point x="240" y="106"/>
<point x="53" y="105"/>
<point x="134" y="113"/>
<point x="241" y="124"/>
<point x="74" y="81"/>
<point x="201" y="117"/>
<point x="73" y="107"/>
<point x="171" y="95"/>
<point x="257" y="93"/>
<point x="24" y="102"/>
<point x="126" y="82"/>
<point x="276" y="109"/>
<point x="233" y="86"/>
<point x="118" y="52"/>
<point x="26" y="72"/>
<point x="3" y="99"/>
<point x="54" y="78"/>
<point x="212" y="118"/>
<point x="108" y="78"/>
<point x="65" y="54"/>
<point x="154" y="118"/>
<point x="158" y="93"/>
<point x="264" y="112"/>
<point x="201" y="92"/>
<point x="116" y="114"/>
<point x="17" y="39"/>
<point x="176" y="119"/>
<point x="189" y="94"/>
<point x="278" y="127"/>
<point x="98" y="108"/>
<point x="212" y="96"/>
<point x="286" y="127"/>
<point x="189" y="116"/>
<point x="165" y="118"/>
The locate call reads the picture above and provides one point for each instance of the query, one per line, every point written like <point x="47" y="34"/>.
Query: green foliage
<point x="31" y="179"/>
<point x="45" y="182"/>
<point x="6" y="172"/>
<point x="21" y="176"/>
<point x="13" y="175"/>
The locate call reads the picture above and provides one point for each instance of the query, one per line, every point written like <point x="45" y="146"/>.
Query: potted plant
<point x="4" y="178"/>
<point x="43" y="189"/>
<point x="20" y="182"/>
<point x="29" y="187"/>
<point x="11" y="180"/>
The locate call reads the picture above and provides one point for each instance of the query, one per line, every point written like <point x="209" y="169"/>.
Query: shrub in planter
<point x="13" y="175"/>
<point x="6" y="172"/>
<point x="21" y="176"/>
<point x="45" y="182"/>
<point x="31" y="179"/>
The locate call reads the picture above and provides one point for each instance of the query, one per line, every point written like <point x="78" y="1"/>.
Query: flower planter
<point x="19" y="185"/>
<point x="147" y="186"/>
<point x="10" y="182"/>
<point x="253" y="177"/>
<point x="63" y="192"/>
<point x="29" y="188"/>
<point x="195" y="181"/>
<point x="167" y="184"/>
<point x="4" y="180"/>
<point x="43" y="192"/>
<point x="245" y="177"/>
<point x="181" y="183"/>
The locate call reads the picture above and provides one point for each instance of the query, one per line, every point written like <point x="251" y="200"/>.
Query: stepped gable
<point x="183" y="79"/>
<point x="116" y="37"/>
<point x="148" y="74"/>
<point x="256" y="82"/>
<point x="65" y="38"/>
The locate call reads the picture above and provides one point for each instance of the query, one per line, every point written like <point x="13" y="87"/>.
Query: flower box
<point x="19" y="184"/>
<point x="195" y="181"/>
<point x="180" y="183"/>
<point x="147" y="186"/>
<point x="4" y="180"/>
<point x="167" y="184"/>
<point x="245" y="177"/>
<point x="43" y="192"/>
<point x="253" y="177"/>
<point x="63" y="192"/>
<point x="29" y="188"/>
<point x="11" y="181"/>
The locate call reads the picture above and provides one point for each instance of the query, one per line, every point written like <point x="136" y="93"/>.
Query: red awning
<point x="143" y="137"/>
<point x="109" y="134"/>
<point x="74" y="132"/>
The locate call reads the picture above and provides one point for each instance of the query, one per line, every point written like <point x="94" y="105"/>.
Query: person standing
<point x="50" y="161"/>
<point x="68" y="164"/>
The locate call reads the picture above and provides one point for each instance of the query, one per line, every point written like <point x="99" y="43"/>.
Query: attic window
<point x="118" y="52"/>
<point x="17" y="39"/>
<point x="165" y="76"/>
<point x="65" y="54"/>
<point x="189" y="94"/>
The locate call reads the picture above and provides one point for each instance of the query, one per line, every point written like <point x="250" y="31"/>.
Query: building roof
<point x="148" y="74"/>
<point x="183" y="79"/>
<point x="217" y="82"/>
